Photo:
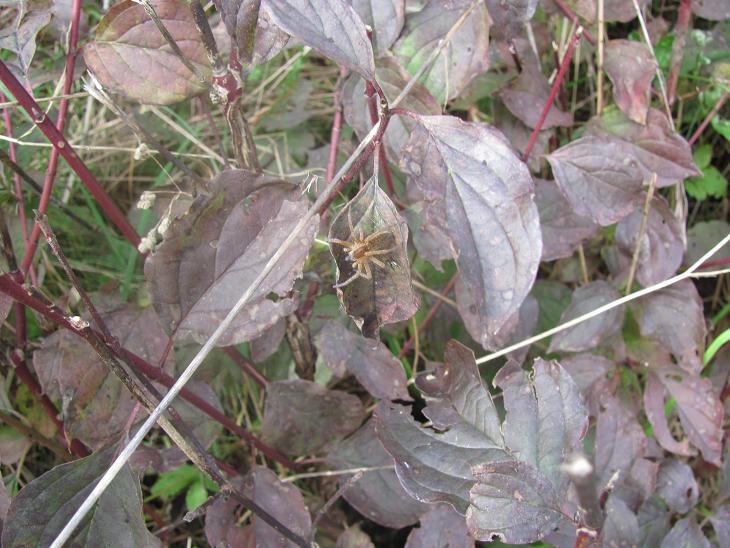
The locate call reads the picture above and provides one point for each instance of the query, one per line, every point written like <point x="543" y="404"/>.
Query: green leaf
<point x="196" y="495"/>
<point x="712" y="184"/>
<point x="721" y="126"/>
<point x="702" y="156"/>
<point x="663" y="51"/>
<point x="715" y="345"/>
<point x="173" y="482"/>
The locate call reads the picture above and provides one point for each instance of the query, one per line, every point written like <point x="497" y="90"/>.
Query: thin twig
<point x="599" y="68"/>
<point x="246" y="366"/>
<point x="562" y="6"/>
<point x="608" y="306"/>
<point x="554" y="90"/>
<point x="720" y="103"/>
<point x="374" y="134"/>
<point x="681" y="29"/>
<point x="334" y="498"/>
<point x="33" y="435"/>
<point x="642" y="232"/>
<point x="436" y="294"/>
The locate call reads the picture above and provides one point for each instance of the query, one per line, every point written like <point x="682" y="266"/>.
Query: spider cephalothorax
<point x="363" y="250"/>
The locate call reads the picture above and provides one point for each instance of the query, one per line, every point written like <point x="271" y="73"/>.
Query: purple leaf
<point x="301" y="417"/>
<point x="631" y="68"/>
<point x="662" y="247"/>
<point x="621" y="527"/>
<point x="378" y="495"/>
<point x="20" y="37"/>
<point x="392" y="79"/>
<point x="218" y="248"/>
<point x="676" y="485"/>
<point x="45" y="505"/>
<point x="353" y="537"/>
<point x="562" y="229"/>
<point x="654" y="520"/>
<point x="721" y="523"/>
<point x="96" y="405"/>
<point x="130" y="56"/>
<point x="434" y="464"/>
<point x="526" y="96"/>
<point x="513" y="502"/>
<point x="698" y="406"/>
<point x="685" y="533"/>
<point x="594" y="375"/>
<point x="373" y="365"/>
<point x="458" y="384"/>
<point x="591" y="332"/>
<point x="221" y="528"/>
<point x="268" y="342"/>
<point x="546" y="417"/>
<point x="654" y="146"/>
<point x="509" y="18"/>
<point x="622" y="10"/>
<point x="385" y="17"/>
<point x="427" y="222"/>
<point x="597" y="177"/>
<point x="714" y="10"/>
<point x="331" y="27"/>
<point x="440" y="527"/>
<point x="654" y="396"/>
<point x="619" y="453"/>
<point x="465" y="57"/>
<point x="491" y="217"/>
<point x="281" y="500"/>
<point x="368" y="240"/>
<point x="674" y="317"/>
<point x="702" y="237"/>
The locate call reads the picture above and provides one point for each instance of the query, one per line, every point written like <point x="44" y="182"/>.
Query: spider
<point x="362" y="250"/>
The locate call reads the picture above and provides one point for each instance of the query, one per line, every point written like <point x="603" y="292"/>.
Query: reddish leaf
<point x="546" y="417"/>
<point x="654" y="520"/>
<point x="662" y="247"/>
<point x="721" y="523"/>
<point x="385" y="17"/>
<point x="491" y="216"/>
<point x="654" y="399"/>
<point x="220" y="523"/>
<point x="655" y="147"/>
<point x="509" y="18"/>
<point x="301" y="417"/>
<point x="687" y="533"/>
<point x="464" y="58"/>
<point x="13" y="445"/>
<point x="512" y="502"/>
<point x="218" y="248"/>
<point x="594" y="375"/>
<point x="268" y="343"/>
<point x="562" y="229"/>
<point x="676" y="485"/>
<point x="674" y="317"/>
<point x="130" y="56"/>
<point x="268" y="39"/>
<point x="589" y="333"/>
<point x="377" y="369"/>
<point x="698" y="406"/>
<point x="526" y="96"/>
<point x="631" y="67"/>
<point x="378" y="495"/>
<point x="440" y="527"/>
<point x="332" y="27"/>
<point x="597" y="177"/>
<point x="45" y="505"/>
<point x="392" y="79"/>
<point x="95" y="404"/>
<point x="284" y="502"/>
<point x="429" y="233"/>
<point x="714" y="10"/>
<point x="373" y="289"/>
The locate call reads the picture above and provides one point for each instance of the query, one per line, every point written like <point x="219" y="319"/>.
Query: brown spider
<point x="362" y="250"/>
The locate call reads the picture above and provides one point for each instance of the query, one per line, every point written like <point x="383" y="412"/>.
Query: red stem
<point x="684" y="15"/>
<point x="370" y="91"/>
<point x="716" y="262"/>
<point x="17" y="292"/>
<point x="429" y="317"/>
<point x="554" y="90"/>
<point x="245" y="365"/>
<point x="574" y="18"/>
<point x="720" y="103"/>
<point x="60" y="143"/>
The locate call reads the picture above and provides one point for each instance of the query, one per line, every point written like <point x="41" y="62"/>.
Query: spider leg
<point x="368" y="275"/>
<point x="349" y="280"/>
<point x="377" y="262"/>
<point x="378" y="252"/>
<point x="348" y="245"/>
<point x="375" y="235"/>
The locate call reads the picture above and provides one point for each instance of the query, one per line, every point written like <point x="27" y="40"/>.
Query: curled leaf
<point x="368" y="242"/>
<point x="631" y="67"/>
